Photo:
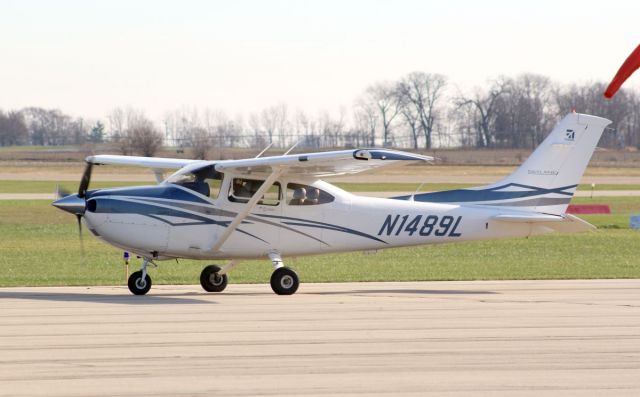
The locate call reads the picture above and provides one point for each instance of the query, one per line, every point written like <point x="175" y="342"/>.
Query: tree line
<point x="420" y="111"/>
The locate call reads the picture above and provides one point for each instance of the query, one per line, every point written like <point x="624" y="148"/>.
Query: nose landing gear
<point x="139" y="282"/>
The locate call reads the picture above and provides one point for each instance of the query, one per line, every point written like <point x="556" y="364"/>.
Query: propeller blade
<point x="61" y="192"/>
<point x="84" y="182"/>
<point x="630" y="65"/>
<point x="79" y="218"/>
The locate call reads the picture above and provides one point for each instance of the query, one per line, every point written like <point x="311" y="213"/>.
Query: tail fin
<point x="546" y="181"/>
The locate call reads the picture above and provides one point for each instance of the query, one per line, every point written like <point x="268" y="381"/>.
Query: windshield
<point x="204" y="180"/>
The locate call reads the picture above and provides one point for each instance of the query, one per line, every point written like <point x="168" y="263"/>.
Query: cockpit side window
<point x="214" y="186"/>
<point x="242" y="190"/>
<point x="298" y="194"/>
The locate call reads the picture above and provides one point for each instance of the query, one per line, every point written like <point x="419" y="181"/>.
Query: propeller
<point x="75" y="203"/>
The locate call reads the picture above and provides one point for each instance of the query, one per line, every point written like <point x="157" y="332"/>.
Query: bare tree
<point x="367" y="120"/>
<point x="423" y="90"/>
<point x="200" y="142"/>
<point x="307" y="127"/>
<point x="484" y="104"/>
<point x="331" y="129"/>
<point x="144" y="136"/>
<point x="258" y="135"/>
<point x="13" y="129"/>
<point x="587" y="98"/>
<point x="384" y="98"/>
<point x="273" y="120"/>
<point x="411" y="118"/>
<point x="52" y="127"/>
<point x="133" y="131"/>
<point x="525" y="113"/>
<point x="119" y="129"/>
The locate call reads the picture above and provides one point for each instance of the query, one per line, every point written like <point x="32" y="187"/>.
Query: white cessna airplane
<point x="277" y="206"/>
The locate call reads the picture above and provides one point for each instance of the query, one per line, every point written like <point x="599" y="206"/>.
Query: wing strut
<point x="247" y="209"/>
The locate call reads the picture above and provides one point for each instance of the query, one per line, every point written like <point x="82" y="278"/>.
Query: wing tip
<point x="389" y="154"/>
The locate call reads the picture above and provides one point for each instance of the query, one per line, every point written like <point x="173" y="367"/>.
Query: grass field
<point x="39" y="246"/>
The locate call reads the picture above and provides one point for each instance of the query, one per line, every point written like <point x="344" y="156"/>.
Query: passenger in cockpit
<point x="299" y="195"/>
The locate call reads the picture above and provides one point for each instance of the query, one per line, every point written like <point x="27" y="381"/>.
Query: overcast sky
<point x="86" y="57"/>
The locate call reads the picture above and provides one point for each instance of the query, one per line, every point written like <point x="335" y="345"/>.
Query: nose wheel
<point x="139" y="284"/>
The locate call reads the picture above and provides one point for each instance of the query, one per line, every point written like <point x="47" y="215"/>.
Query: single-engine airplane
<point x="278" y="206"/>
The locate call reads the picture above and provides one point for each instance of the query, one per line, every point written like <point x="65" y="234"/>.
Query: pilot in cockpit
<point x="313" y="195"/>
<point x="299" y="196"/>
<point x="240" y="188"/>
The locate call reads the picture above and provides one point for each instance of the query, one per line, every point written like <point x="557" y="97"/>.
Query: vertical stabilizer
<point x="547" y="180"/>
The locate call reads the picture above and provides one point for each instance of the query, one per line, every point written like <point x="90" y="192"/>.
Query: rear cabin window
<point x="298" y="194"/>
<point x="242" y="190"/>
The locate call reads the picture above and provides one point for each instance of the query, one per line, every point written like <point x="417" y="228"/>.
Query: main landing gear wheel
<point x="139" y="285"/>
<point x="211" y="281"/>
<point x="284" y="281"/>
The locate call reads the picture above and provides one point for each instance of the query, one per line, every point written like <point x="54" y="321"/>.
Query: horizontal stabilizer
<point x="565" y="224"/>
<point x="533" y="217"/>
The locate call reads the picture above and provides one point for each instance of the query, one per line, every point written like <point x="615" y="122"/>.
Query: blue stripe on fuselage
<point x="491" y="194"/>
<point x="164" y="191"/>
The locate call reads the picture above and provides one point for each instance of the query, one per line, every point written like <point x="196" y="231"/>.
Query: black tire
<point x="137" y="285"/>
<point x="211" y="281"/>
<point x="284" y="281"/>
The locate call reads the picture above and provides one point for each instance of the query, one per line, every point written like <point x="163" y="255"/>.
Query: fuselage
<point x="181" y="220"/>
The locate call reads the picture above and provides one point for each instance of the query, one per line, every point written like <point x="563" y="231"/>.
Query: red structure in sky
<point x="628" y="67"/>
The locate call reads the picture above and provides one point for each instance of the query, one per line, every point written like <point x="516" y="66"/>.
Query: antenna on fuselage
<point x="414" y="193"/>
<point x="291" y="148"/>
<point x="264" y="150"/>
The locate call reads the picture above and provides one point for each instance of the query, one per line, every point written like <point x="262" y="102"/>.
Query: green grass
<point x="39" y="246"/>
<point x="38" y="255"/>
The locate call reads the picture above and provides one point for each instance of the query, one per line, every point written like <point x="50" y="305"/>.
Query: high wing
<point x="150" y="162"/>
<point x="323" y="164"/>
<point x="318" y="165"/>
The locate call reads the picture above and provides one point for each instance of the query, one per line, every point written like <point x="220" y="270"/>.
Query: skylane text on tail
<point x="278" y="206"/>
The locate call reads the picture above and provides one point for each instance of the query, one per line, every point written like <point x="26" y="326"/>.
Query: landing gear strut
<point x="140" y="282"/>
<point x="284" y="280"/>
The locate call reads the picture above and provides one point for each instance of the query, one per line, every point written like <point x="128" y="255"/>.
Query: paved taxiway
<point x="507" y="338"/>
